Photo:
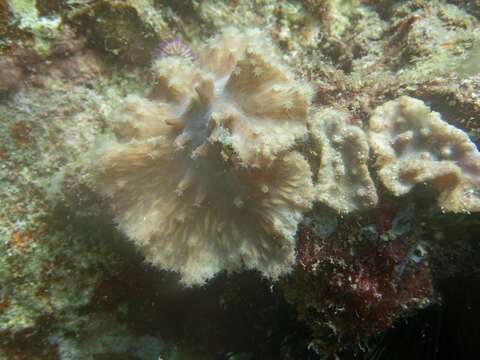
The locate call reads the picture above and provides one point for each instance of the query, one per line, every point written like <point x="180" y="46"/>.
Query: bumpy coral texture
<point x="202" y="176"/>
<point x="414" y="145"/>
<point x="343" y="181"/>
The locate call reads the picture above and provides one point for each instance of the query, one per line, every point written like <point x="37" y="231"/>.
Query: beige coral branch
<point x="343" y="180"/>
<point x="414" y="145"/>
<point x="202" y="176"/>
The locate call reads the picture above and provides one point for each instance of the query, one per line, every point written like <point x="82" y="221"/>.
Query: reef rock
<point x="414" y="145"/>
<point x="343" y="181"/>
<point x="202" y="176"/>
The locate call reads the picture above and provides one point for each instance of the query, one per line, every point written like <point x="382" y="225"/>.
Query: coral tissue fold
<point x="202" y="175"/>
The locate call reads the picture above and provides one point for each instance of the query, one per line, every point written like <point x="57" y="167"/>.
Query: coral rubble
<point x="202" y="177"/>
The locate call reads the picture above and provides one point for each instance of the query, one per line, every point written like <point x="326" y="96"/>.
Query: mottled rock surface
<point x="73" y="287"/>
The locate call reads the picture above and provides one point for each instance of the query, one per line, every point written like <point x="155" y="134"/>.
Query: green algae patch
<point x="44" y="30"/>
<point x="117" y="29"/>
<point x="471" y="65"/>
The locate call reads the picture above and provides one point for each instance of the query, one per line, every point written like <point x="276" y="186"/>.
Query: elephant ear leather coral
<point x="202" y="176"/>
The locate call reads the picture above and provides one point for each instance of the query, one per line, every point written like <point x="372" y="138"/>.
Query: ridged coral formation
<point x="202" y="177"/>
<point x="343" y="182"/>
<point x="414" y="145"/>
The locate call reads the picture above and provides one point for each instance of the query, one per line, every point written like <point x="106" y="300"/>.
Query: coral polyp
<point x="202" y="175"/>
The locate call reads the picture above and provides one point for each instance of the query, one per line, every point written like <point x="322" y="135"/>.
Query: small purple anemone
<point x="173" y="47"/>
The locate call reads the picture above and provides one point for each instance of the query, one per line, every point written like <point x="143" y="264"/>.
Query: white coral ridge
<point x="343" y="181"/>
<point x="414" y="145"/>
<point x="202" y="176"/>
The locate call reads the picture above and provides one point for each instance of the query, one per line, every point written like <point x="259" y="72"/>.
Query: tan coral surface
<point x="202" y="176"/>
<point x="343" y="181"/>
<point x="414" y="145"/>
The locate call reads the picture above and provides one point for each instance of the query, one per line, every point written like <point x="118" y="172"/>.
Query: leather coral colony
<point x="201" y="174"/>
